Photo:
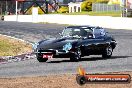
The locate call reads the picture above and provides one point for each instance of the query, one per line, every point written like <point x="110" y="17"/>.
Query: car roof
<point x="81" y="27"/>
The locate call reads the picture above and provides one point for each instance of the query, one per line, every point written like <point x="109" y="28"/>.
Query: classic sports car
<point x="76" y="42"/>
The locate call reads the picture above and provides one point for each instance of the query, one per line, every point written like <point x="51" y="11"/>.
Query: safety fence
<point x="105" y="7"/>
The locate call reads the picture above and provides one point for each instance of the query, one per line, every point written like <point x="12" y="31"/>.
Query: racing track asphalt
<point x="121" y="60"/>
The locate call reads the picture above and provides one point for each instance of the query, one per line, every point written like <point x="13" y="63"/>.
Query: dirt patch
<point x="12" y="47"/>
<point x="54" y="81"/>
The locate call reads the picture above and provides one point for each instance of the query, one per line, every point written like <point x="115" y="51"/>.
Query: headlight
<point x="67" y="47"/>
<point x="34" y="46"/>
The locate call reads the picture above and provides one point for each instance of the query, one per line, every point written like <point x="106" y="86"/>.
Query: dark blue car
<point x="76" y="42"/>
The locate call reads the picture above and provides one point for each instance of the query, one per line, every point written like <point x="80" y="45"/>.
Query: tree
<point x="87" y="4"/>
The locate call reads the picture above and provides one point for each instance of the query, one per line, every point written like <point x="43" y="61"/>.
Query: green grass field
<point x="12" y="47"/>
<point x="114" y="14"/>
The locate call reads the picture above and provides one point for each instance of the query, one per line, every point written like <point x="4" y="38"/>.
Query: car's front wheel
<point x="42" y="59"/>
<point x="76" y="56"/>
<point x="108" y="52"/>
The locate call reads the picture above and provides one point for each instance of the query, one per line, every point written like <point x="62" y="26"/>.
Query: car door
<point x="89" y="43"/>
<point x="99" y="40"/>
<point x="96" y="43"/>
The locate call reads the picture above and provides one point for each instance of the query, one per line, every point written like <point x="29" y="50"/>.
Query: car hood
<point x="55" y="43"/>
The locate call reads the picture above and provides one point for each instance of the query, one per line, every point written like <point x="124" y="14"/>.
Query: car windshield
<point x="76" y="32"/>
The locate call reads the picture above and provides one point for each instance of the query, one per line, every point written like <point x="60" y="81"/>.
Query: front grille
<point x="47" y="51"/>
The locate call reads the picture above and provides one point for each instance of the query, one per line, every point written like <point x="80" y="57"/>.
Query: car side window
<point x="99" y="32"/>
<point x="67" y="32"/>
<point x="89" y="33"/>
<point x="102" y="32"/>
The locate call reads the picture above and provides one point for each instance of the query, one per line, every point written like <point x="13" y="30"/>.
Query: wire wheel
<point x="76" y="56"/>
<point x="108" y="52"/>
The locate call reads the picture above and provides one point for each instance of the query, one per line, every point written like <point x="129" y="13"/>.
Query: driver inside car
<point x="89" y="35"/>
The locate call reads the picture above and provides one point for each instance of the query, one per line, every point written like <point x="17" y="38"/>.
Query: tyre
<point x="108" y="52"/>
<point x="81" y="80"/>
<point x="76" y="56"/>
<point x="42" y="59"/>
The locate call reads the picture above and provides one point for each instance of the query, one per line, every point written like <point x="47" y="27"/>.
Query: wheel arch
<point x="112" y="45"/>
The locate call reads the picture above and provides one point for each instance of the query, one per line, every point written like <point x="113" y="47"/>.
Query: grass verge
<point x="112" y="13"/>
<point x="12" y="47"/>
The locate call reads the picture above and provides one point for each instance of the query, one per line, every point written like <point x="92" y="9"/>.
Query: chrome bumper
<point x="54" y="52"/>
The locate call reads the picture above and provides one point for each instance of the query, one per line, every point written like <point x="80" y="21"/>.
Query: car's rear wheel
<point x="76" y="56"/>
<point x="108" y="52"/>
<point x="42" y="59"/>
